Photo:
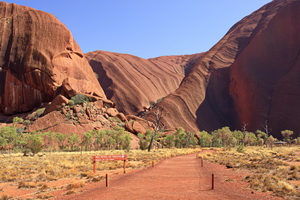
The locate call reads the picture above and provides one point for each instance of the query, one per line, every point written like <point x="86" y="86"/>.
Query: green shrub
<point x="26" y="122"/>
<point x="18" y="120"/>
<point x="79" y="99"/>
<point x="71" y="102"/>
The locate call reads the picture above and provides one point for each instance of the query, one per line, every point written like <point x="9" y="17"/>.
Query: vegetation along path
<point x="180" y="177"/>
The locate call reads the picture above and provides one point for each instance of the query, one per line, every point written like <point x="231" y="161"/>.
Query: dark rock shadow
<point x="217" y="110"/>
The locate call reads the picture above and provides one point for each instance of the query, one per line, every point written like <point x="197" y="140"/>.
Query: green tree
<point x="287" y="135"/>
<point x="144" y="140"/>
<point x="61" y="138"/>
<point x="125" y="143"/>
<point x="180" y="138"/>
<point x="158" y="126"/>
<point x="169" y="141"/>
<point x="35" y="143"/>
<point x="205" y="139"/>
<point x="261" y="137"/>
<point x="49" y="140"/>
<point x="239" y="136"/>
<point x="225" y="135"/>
<point x="87" y="141"/>
<point x="100" y="138"/>
<point x="10" y="135"/>
<point x="3" y="143"/>
<point x="270" y="141"/>
<point x="250" y="138"/>
<point x="73" y="140"/>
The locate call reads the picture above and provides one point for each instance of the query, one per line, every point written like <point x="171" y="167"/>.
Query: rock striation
<point x="39" y="59"/>
<point x="135" y="84"/>
<point x="251" y="77"/>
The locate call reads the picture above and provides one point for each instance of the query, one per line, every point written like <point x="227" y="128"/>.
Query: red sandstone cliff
<point x="133" y="83"/>
<point x="39" y="59"/>
<point x="250" y="76"/>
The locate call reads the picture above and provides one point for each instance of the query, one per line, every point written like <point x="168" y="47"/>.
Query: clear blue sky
<point x="147" y="28"/>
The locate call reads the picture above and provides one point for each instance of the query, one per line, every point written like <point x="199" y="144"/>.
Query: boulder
<point x="56" y="104"/>
<point x="138" y="128"/>
<point x="128" y="126"/>
<point x="122" y="117"/>
<point x="112" y="112"/>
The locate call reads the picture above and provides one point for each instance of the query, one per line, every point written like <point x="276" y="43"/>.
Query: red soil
<point x="177" y="178"/>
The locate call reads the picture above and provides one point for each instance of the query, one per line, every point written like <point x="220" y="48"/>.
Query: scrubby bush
<point x="18" y="120"/>
<point x="79" y="99"/>
<point x="145" y="139"/>
<point x="71" y="102"/>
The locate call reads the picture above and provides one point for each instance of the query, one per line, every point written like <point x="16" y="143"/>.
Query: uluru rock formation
<point x="133" y="83"/>
<point x="251" y="76"/>
<point x="39" y="60"/>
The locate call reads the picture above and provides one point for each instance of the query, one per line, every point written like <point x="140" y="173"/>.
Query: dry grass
<point x="55" y="166"/>
<point x="5" y="197"/>
<point x="270" y="168"/>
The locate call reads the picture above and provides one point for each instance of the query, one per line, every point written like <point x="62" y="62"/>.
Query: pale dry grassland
<point x="276" y="170"/>
<point x="39" y="172"/>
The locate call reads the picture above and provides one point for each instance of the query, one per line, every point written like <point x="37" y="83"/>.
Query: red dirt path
<point x="177" y="178"/>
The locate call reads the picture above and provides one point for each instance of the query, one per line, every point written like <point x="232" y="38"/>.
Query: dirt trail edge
<point x="180" y="177"/>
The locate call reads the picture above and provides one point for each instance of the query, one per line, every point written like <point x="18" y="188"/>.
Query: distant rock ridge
<point x="134" y="83"/>
<point x="251" y="76"/>
<point x="39" y="60"/>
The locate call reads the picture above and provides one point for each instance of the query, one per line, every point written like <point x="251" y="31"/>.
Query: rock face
<point x="251" y="76"/>
<point x="39" y="60"/>
<point x="133" y="83"/>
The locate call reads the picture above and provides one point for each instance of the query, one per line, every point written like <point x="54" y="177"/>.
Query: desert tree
<point x="205" y="139"/>
<point x="267" y="128"/>
<point x="261" y="137"/>
<point x="226" y="136"/>
<point x="287" y="135"/>
<point x="239" y="136"/>
<point x="35" y="143"/>
<point x="87" y="141"/>
<point x="61" y="138"/>
<point x="10" y="135"/>
<point x="270" y="141"/>
<point x="157" y="125"/>
<point x="73" y="141"/>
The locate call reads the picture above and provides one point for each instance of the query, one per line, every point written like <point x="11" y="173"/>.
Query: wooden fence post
<point x="124" y="166"/>
<point x="106" y="178"/>
<point x="212" y="181"/>
<point x="94" y="161"/>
